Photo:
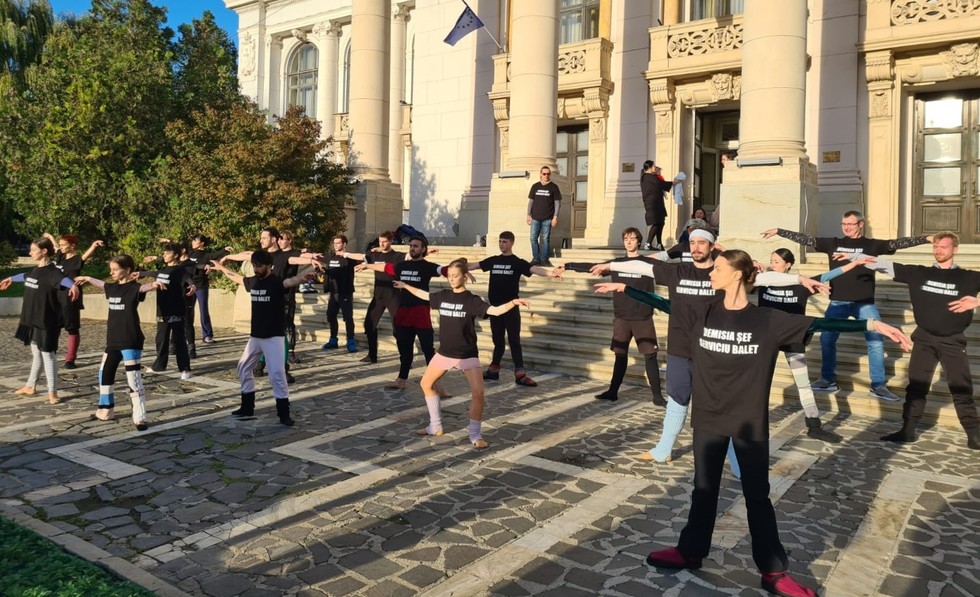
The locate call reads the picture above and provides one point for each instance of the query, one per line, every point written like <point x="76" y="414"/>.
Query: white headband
<point x="699" y="233"/>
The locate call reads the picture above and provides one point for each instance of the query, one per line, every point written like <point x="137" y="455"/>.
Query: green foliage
<point x="31" y="566"/>
<point x="7" y="254"/>
<point x="24" y="27"/>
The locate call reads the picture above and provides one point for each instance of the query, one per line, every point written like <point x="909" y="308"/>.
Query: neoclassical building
<point x="831" y="105"/>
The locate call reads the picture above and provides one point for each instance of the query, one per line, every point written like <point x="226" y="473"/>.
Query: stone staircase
<point x="568" y="328"/>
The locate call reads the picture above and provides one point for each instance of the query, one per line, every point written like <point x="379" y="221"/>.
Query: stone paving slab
<point x="351" y="502"/>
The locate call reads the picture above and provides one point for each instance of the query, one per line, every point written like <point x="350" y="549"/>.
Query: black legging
<point x="753" y="458"/>
<point x="509" y="322"/>
<point x="405" y="338"/>
<point x="655" y="231"/>
<point x="168" y="332"/>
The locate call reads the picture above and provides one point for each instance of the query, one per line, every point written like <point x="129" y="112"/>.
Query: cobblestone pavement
<point x="351" y="502"/>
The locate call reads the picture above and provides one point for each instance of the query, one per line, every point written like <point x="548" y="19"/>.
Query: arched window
<point x="345" y="92"/>
<point x="301" y="78"/>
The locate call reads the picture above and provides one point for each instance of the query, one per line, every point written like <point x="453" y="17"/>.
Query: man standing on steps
<point x="544" y="202"/>
<point x="632" y="320"/>
<point x="943" y="298"/>
<point x="506" y="270"/>
<point x="852" y="295"/>
<point x="339" y="285"/>
<point x="385" y="295"/>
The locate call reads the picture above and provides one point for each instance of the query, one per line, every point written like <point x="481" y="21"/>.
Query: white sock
<point x="474" y="429"/>
<point x="435" y="414"/>
<point x="139" y="407"/>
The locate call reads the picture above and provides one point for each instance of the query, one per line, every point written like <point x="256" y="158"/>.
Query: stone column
<point x="273" y="74"/>
<point x="399" y="18"/>
<point x="534" y="84"/>
<point x="596" y="103"/>
<point x="327" y="35"/>
<point x="664" y="102"/>
<point x="369" y="91"/>
<point x="529" y="135"/>
<point x="884" y="127"/>
<point x="672" y="12"/>
<point x="378" y="200"/>
<point x="779" y="188"/>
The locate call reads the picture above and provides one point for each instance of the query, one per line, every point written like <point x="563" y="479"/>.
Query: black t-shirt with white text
<point x="857" y="285"/>
<point x="339" y="274"/>
<point x="457" y="316"/>
<point x="202" y="258"/>
<point x="690" y="295"/>
<point x="383" y="280"/>
<point x="931" y="289"/>
<point x="123" y="324"/>
<point x="623" y="306"/>
<point x="41" y="306"/>
<point x="543" y="197"/>
<point x="70" y="267"/>
<point x="268" y="304"/>
<point x="417" y="274"/>
<point x="734" y="356"/>
<point x="171" y="301"/>
<point x="505" y="277"/>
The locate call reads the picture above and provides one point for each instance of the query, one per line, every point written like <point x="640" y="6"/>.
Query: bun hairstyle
<point x="741" y="262"/>
<point x="125" y="262"/>
<point x="786" y="255"/>
<point x="647" y="164"/>
<point x="45" y="245"/>
<point x="460" y="263"/>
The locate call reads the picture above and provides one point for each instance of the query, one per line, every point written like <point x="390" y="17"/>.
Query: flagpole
<point x="485" y="28"/>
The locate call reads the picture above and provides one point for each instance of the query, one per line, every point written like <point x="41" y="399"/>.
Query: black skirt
<point x="46" y="340"/>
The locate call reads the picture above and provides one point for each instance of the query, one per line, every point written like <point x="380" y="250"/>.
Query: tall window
<point x="301" y="78"/>
<point x="345" y="84"/>
<point x="579" y="20"/>
<point x="709" y="9"/>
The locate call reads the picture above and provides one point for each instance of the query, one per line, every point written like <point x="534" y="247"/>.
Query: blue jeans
<point x="540" y="228"/>
<point x="202" y="303"/>
<point x="876" y="346"/>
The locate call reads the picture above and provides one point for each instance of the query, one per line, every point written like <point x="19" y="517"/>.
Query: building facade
<point x="871" y="105"/>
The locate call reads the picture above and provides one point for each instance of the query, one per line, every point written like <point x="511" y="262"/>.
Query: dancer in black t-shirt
<point x="268" y="331"/>
<point x="631" y="321"/>
<point x="385" y="296"/>
<point x="338" y="283"/>
<point x="506" y="270"/>
<point x="124" y="337"/>
<point x="458" y="309"/>
<point x="944" y="298"/>
<point x="41" y="315"/>
<point x="171" y="310"/>
<point x="734" y="346"/>
<point x="71" y="263"/>
<point x="199" y="254"/>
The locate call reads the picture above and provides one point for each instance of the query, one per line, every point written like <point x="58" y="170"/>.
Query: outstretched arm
<point x="501" y="309"/>
<point x="648" y="298"/>
<point x="909" y="241"/>
<point x="79" y="280"/>
<point x="233" y="276"/>
<point x="781" y="279"/>
<point x="642" y="268"/>
<point x="297" y="280"/>
<point x="416" y="292"/>
<point x="91" y="250"/>
<point x="825" y="324"/>
<point x="964" y="304"/>
<point x="797" y="237"/>
<point x="240" y="256"/>
<point x="858" y="261"/>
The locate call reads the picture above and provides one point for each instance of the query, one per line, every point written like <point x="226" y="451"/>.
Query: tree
<point x="231" y="174"/>
<point x="205" y="64"/>
<point x="24" y="27"/>
<point x="92" y="125"/>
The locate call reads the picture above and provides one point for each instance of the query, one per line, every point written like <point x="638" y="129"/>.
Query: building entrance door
<point x="573" y="163"/>
<point x="947" y="165"/>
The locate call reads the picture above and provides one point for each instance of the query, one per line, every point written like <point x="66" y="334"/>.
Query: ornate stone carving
<point x="273" y="42"/>
<point x="723" y="85"/>
<point x="345" y="123"/>
<point x="906" y="12"/>
<point x="246" y="59"/>
<point x="504" y="137"/>
<point x="400" y="11"/>
<point x="597" y="129"/>
<point x="300" y="35"/>
<point x="705" y="41"/>
<point x="562" y="111"/>
<point x="572" y="61"/>
<point x="326" y="28"/>
<point x="665" y="122"/>
<point x="661" y="91"/>
<point x="879" y="67"/>
<point x="737" y="87"/>
<point x="880" y="104"/>
<point x="596" y="99"/>
<point x="500" y="110"/>
<point x="961" y="60"/>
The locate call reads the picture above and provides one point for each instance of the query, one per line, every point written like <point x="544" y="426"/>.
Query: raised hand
<point x="962" y="305"/>
<point x="769" y="233"/>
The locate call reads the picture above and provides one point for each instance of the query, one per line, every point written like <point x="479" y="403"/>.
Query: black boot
<point x="282" y="409"/>
<point x="653" y="376"/>
<point x="973" y="439"/>
<point x="907" y="433"/>
<point x="289" y="377"/>
<point x="192" y="351"/>
<point x="814" y="430"/>
<point x="248" y="406"/>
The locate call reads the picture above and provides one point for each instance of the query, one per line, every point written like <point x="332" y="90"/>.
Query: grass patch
<point x="15" y="290"/>
<point x="32" y="566"/>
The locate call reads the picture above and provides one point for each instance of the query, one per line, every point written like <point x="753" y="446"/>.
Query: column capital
<point x="400" y="11"/>
<point x="661" y="92"/>
<point x="326" y="29"/>
<point x="273" y="42"/>
<point x="879" y="67"/>
<point x="596" y="101"/>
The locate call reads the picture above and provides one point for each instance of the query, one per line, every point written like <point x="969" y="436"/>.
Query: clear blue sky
<point x="178" y="12"/>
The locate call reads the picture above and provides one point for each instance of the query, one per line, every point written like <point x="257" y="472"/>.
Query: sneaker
<point x="331" y="344"/>
<point x="780" y="583"/>
<point x="208" y="340"/>
<point x="672" y="558"/>
<point x="822" y="385"/>
<point x="70" y="365"/>
<point x="185" y="374"/>
<point x="883" y="393"/>
<point x="491" y="374"/>
<point x="525" y="380"/>
<point x="351" y="345"/>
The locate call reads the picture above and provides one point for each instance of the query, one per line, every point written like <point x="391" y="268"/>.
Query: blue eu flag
<point x="468" y="21"/>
